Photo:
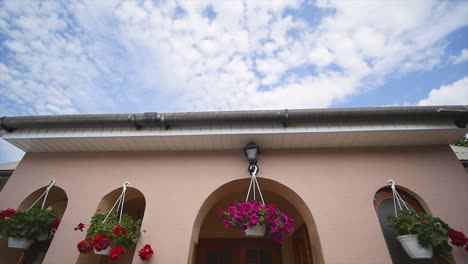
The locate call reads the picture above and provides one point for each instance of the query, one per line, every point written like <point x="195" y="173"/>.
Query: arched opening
<point x="384" y="207"/>
<point x="56" y="200"/>
<point x="134" y="206"/>
<point x="211" y="241"/>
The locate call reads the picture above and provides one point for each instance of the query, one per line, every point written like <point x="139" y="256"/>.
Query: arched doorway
<point x="56" y="200"/>
<point x="212" y="243"/>
<point x="134" y="206"/>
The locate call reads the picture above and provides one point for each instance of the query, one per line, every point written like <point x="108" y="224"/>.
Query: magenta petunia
<point x="248" y="214"/>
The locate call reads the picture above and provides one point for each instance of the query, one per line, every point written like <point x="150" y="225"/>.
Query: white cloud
<point x="48" y="71"/>
<point x="452" y="94"/>
<point x="462" y="58"/>
<point x="105" y="56"/>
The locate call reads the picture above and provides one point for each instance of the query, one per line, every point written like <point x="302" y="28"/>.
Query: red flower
<point x="85" y="246"/>
<point x="55" y="224"/>
<point x="146" y="252"/>
<point x="8" y="213"/>
<point x="80" y="227"/>
<point x="101" y="242"/>
<point x="120" y="230"/>
<point x="457" y="238"/>
<point x="116" y="251"/>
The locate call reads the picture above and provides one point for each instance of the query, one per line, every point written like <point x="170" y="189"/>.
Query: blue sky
<point x="112" y="56"/>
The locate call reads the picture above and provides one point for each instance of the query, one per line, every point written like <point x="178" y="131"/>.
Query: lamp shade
<point x="251" y="151"/>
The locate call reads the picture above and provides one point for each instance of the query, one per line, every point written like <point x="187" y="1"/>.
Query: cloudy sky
<point x="112" y="56"/>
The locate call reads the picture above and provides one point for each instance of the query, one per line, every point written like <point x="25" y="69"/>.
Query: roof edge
<point x="456" y="113"/>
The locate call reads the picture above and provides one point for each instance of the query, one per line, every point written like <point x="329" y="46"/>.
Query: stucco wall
<point x="338" y="186"/>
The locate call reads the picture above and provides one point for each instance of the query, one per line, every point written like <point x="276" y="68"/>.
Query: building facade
<point x="325" y="168"/>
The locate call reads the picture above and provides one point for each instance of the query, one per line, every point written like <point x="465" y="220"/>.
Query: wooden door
<point x="302" y="247"/>
<point x="238" y="251"/>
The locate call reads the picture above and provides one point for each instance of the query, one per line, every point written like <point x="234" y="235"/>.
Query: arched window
<point x="383" y="203"/>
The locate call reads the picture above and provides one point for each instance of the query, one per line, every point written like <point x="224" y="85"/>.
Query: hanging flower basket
<point x="419" y="232"/>
<point x="412" y="247"/>
<point x="22" y="243"/>
<point x="109" y="234"/>
<point x="5" y="217"/>
<point x="105" y="252"/>
<point x="36" y="224"/>
<point x="255" y="218"/>
<point x="256" y="231"/>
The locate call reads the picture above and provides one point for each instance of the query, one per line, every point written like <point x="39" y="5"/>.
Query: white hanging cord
<point x="250" y="187"/>
<point x="254" y="183"/>
<point x="44" y="194"/>
<point x="120" y="201"/>
<point x="397" y="198"/>
<point x="254" y="190"/>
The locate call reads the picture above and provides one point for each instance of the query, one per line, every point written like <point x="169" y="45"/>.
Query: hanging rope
<point x="120" y="201"/>
<point x="253" y="169"/>
<point x="397" y="198"/>
<point x="44" y="194"/>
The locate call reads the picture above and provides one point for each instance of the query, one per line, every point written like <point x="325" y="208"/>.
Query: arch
<point x="134" y="206"/>
<point x="57" y="199"/>
<point x="269" y="187"/>
<point x="404" y="192"/>
<point x="383" y="203"/>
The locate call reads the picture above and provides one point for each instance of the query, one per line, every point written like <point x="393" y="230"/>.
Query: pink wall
<point x="338" y="186"/>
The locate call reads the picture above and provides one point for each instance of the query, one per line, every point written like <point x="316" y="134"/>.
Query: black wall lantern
<point x="252" y="151"/>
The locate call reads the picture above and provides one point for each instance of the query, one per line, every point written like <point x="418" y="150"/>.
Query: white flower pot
<point x="105" y="252"/>
<point x="412" y="247"/>
<point x="256" y="231"/>
<point x="16" y="242"/>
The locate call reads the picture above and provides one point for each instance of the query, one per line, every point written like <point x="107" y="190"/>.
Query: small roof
<point x="461" y="152"/>
<point x="9" y="166"/>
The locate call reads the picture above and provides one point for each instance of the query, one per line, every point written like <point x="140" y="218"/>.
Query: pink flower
<point x="272" y="207"/>
<point x="249" y="214"/>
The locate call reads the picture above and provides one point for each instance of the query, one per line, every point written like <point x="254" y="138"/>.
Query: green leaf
<point x="431" y="231"/>
<point x="132" y="226"/>
<point x="34" y="224"/>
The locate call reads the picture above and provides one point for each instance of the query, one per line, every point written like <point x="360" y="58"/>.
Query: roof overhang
<point x="311" y="128"/>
